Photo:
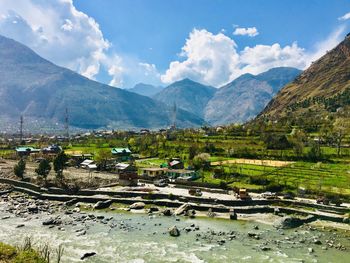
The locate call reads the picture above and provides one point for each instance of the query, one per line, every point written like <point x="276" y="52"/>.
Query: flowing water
<point x="142" y="238"/>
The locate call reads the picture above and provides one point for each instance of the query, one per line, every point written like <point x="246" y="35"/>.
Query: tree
<point x="43" y="169"/>
<point x="19" y="168"/>
<point x="202" y="161"/>
<point x="192" y="151"/>
<point x="315" y="152"/>
<point x="341" y="128"/>
<point x="297" y="140"/>
<point x="59" y="163"/>
<point x="103" y="156"/>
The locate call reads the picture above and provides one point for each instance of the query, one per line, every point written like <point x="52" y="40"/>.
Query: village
<point x="118" y="171"/>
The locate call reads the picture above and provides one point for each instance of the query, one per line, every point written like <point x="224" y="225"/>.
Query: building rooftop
<point x="27" y="149"/>
<point x="120" y="150"/>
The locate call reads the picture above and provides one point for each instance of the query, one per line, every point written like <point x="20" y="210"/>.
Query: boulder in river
<point x="33" y="209"/>
<point x="167" y="212"/>
<point x="291" y="222"/>
<point x="87" y="255"/>
<point x="182" y="209"/>
<point x="174" y="231"/>
<point x="137" y="205"/>
<point x="103" y="204"/>
<point x="71" y="202"/>
<point x="52" y="221"/>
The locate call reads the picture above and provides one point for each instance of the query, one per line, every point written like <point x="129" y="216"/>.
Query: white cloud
<point x="344" y="17"/>
<point x="215" y="59"/>
<point x="249" y="31"/>
<point x="209" y="59"/>
<point x="263" y="57"/>
<point x="59" y="32"/>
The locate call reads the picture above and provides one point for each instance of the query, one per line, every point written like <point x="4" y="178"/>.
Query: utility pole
<point x="66" y="124"/>
<point x="174" y="116"/>
<point x="21" y="129"/>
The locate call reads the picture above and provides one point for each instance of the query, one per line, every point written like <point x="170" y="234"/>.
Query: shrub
<point x="43" y="169"/>
<point x="20" y="168"/>
<point x="273" y="187"/>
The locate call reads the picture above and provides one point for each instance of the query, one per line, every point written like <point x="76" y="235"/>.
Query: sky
<point x="123" y="42"/>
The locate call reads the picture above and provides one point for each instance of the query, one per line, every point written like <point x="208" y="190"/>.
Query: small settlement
<point x="121" y="164"/>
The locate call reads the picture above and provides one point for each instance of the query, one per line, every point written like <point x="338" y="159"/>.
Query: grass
<point x="10" y="254"/>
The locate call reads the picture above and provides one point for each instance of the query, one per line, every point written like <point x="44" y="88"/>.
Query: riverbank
<point x="118" y="235"/>
<point x="223" y="205"/>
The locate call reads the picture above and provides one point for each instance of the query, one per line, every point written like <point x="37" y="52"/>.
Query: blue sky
<point x="138" y="25"/>
<point x="123" y="42"/>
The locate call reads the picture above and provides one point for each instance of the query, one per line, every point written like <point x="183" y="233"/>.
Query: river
<point x="126" y="237"/>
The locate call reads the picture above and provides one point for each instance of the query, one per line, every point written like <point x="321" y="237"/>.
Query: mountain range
<point x="246" y="96"/>
<point x="236" y="102"/>
<point x="42" y="91"/>
<point x="146" y="89"/>
<point x="39" y="90"/>
<point x="188" y="95"/>
<point x="321" y="90"/>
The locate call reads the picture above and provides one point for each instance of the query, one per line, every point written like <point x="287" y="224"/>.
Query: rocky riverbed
<point x="114" y="236"/>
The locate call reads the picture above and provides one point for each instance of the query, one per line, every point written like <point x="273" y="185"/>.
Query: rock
<point x="263" y="248"/>
<point x="256" y="227"/>
<point x="182" y="209"/>
<point x="87" y="255"/>
<point x="81" y="233"/>
<point x="33" y="209"/>
<point x="52" y="221"/>
<point x="174" y="231"/>
<point x="137" y="205"/>
<point x="71" y="202"/>
<point x="103" y="204"/>
<point x="153" y="209"/>
<point x="317" y="242"/>
<point x="310" y="249"/>
<point x="167" y="212"/>
<point x="20" y="225"/>
<point x="346" y="220"/>
<point x="233" y="215"/>
<point x="211" y="213"/>
<point x="291" y="222"/>
<point x="276" y="210"/>
<point x="5" y="217"/>
<point x="188" y="229"/>
<point x="253" y="235"/>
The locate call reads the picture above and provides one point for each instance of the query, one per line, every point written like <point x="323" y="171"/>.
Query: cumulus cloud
<point x="344" y="17"/>
<point x="249" y="31"/>
<point x="263" y="57"/>
<point x="209" y="58"/>
<point x="214" y="59"/>
<point x="59" y="32"/>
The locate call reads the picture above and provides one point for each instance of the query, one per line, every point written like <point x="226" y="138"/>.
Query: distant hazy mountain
<point x="40" y="90"/>
<point x="246" y="96"/>
<point x="320" y="91"/>
<point x="188" y="95"/>
<point x="145" y="89"/>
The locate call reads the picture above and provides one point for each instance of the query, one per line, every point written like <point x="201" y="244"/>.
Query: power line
<point x="66" y="123"/>
<point x="21" y="128"/>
